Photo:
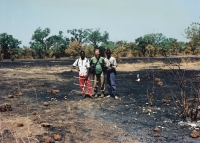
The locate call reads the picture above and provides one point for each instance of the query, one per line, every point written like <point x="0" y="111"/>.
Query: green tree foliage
<point x="58" y="40"/>
<point x="57" y="45"/>
<point x="157" y="43"/>
<point x="109" y="45"/>
<point x="142" y="42"/>
<point x="95" y="37"/>
<point x="193" y="34"/>
<point x="152" y="39"/>
<point x="39" y="41"/>
<point x="79" y="35"/>
<point x="42" y="45"/>
<point x="8" y="46"/>
<point x="168" y="46"/>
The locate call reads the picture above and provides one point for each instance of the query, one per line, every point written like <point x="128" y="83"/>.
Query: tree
<point x="95" y="37"/>
<point x="141" y="42"/>
<point x="74" y="49"/>
<point x="109" y="45"/>
<point x="144" y="41"/>
<point x="152" y="39"/>
<point x="8" y="43"/>
<point x="193" y="34"/>
<point x="150" y="50"/>
<point x="39" y="43"/>
<point x="157" y="40"/>
<point x="26" y="52"/>
<point x="58" y="44"/>
<point x="168" y="44"/>
<point x="57" y="40"/>
<point x="121" y="43"/>
<point x="79" y="35"/>
<point x="89" y="50"/>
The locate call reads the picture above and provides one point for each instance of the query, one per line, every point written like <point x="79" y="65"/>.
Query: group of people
<point x="103" y="71"/>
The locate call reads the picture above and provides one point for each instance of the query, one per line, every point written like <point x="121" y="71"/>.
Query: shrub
<point x="74" y="49"/>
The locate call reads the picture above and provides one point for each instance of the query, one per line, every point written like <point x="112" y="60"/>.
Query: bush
<point x="74" y="49"/>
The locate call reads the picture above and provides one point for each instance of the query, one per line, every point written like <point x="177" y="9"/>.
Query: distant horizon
<point x="123" y="20"/>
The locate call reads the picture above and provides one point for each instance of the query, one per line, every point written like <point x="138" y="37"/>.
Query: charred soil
<point x="128" y="119"/>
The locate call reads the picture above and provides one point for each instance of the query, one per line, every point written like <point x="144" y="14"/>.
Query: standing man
<point x="98" y="63"/>
<point x="83" y="65"/>
<point x="110" y="73"/>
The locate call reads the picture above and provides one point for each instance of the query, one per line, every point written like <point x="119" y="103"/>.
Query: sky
<point x="122" y="19"/>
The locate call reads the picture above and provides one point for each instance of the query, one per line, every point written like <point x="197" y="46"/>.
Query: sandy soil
<point x="91" y="120"/>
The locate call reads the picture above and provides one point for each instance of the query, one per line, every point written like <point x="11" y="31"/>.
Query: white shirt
<point x="83" y="65"/>
<point x="112" y="61"/>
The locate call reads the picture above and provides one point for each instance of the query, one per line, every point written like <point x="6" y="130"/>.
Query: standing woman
<point x="110" y="74"/>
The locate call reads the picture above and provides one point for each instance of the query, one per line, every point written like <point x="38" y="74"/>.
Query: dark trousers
<point x="110" y="83"/>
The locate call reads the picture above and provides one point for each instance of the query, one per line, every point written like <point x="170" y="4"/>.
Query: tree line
<point x="42" y="45"/>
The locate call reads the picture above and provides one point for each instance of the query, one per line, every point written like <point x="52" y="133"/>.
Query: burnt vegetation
<point x="47" y="102"/>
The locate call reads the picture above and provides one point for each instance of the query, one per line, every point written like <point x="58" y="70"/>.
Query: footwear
<point x="92" y="97"/>
<point x="116" y="97"/>
<point x="108" y="96"/>
<point x="83" y="97"/>
<point x="102" y="95"/>
<point x="95" y="95"/>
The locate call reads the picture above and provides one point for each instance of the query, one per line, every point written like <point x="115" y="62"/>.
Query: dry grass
<point x="28" y="128"/>
<point x="188" y="65"/>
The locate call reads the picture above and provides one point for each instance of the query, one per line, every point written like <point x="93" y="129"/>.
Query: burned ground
<point x="129" y="119"/>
